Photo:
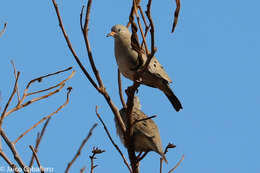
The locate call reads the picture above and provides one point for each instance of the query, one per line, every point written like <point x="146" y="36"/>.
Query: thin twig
<point x="153" y="50"/>
<point x="120" y="88"/>
<point x="142" y="156"/>
<point x="169" y="146"/>
<point x="4" y="114"/>
<point x="112" y="141"/>
<point x="80" y="148"/>
<point x="38" y="140"/>
<point x="8" y="161"/>
<point x="182" y="158"/>
<point x="37" y="159"/>
<point x="20" y="105"/>
<point x="144" y="119"/>
<point x="14" y="151"/>
<point x="145" y="23"/>
<point x="39" y="79"/>
<point x="92" y="157"/>
<point x="15" y="75"/>
<point x="176" y="14"/>
<point x="3" y="30"/>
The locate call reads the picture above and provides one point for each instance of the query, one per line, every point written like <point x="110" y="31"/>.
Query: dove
<point x="127" y="60"/>
<point x="145" y="132"/>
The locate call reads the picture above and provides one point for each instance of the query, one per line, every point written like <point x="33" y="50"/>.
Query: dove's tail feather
<point x="173" y="99"/>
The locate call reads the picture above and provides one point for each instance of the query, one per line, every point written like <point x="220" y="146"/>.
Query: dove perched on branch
<point x="145" y="132"/>
<point x="128" y="63"/>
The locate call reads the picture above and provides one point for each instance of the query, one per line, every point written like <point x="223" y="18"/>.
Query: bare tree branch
<point x="38" y="140"/>
<point x="99" y="89"/>
<point x="87" y="44"/>
<point x="3" y="115"/>
<point x="46" y="117"/>
<point x="92" y="157"/>
<point x="37" y="159"/>
<point x="153" y="50"/>
<point x="182" y="158"/>
<point x="7" y="160"/>
<point x="112" y="141"/>
<point x="169" y="146"/>
<point x="71" y="48"/>
<point x="120" y="88"/>
<point x="17" y="157"/>
<point x="80" y="148"/>
<point x="15" y="75"/>
<point x="21" y="105"/>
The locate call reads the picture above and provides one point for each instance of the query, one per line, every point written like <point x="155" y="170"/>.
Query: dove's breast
<point x="126" y="60"/>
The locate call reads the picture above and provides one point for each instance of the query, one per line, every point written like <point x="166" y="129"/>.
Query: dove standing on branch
<point x="128" y="63"/>
<point x="145" y="132"/>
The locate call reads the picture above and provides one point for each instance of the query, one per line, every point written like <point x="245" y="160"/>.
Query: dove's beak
<point x="112" y="33"/>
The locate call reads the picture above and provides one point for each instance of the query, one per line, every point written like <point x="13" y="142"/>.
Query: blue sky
<point x="213" y="59"/>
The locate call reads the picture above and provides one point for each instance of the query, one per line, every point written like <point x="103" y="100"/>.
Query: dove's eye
<point x="119" y="30"/>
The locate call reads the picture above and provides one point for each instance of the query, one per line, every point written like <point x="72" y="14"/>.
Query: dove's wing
<point x="156" y="68"/>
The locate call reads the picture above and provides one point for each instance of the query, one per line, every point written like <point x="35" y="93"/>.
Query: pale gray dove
<point x="146" y="133"/>
<point x="127" y="61"/>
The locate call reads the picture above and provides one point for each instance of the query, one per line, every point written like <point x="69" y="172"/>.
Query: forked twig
<point x="169" y="146"/>
<point x="3" y="115"/>
<point x="46" y="117"/>
<point x="21" y="105"/>
<point x="37" y="159"/>
<point x="70" y="46"/>
<point x="80" y="148"/>
<point x="87" y="44"/>
<point x="38" y="140"/>
<point x="99" y="89"/>
<point x="92" y="157"/>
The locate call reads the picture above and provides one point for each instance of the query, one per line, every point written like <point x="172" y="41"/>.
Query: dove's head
<point x="119" y="32"/>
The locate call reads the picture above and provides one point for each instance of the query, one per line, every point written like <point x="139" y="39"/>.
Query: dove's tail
<point x="173" y="99"/>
